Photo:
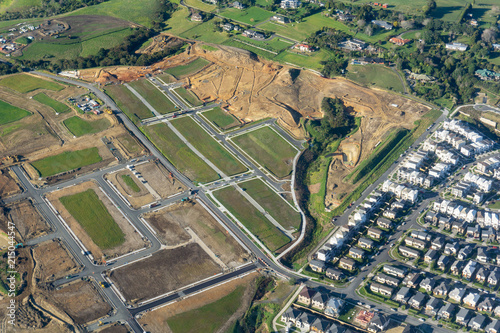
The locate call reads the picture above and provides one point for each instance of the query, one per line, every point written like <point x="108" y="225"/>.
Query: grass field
<point x="417" y="5"/>
<point x="188" y="69"/>
<point x="167" y="78"/>
<point x="180" y="22"/>
<point x="251" y="218"/>
<point x="154" y="96"/>
<point x="188" y="96"/>
<point x="78" y="127"/>
<point x="210" y="148"/>
<point x="56" y="105"/>
<point x="304" y="60"/>
<point x="179" y="154"/>
<point x="131" y="183"/>
<point x="269" y="149"/>
<point x="209" y="317"/>
<point x="221" y="119"/>
<point x="128" y="103"/>
<point x="66" y="161"/>
<point x="251" y="15"/>
<point x="10" y="113"/>
<point x="273" y="203"/>
<point x="95" y="219"/>
<point x="24" y="83"/>
<point x="276" y="44"/>
<point x="375" y="75"/>
<point x="18" y="5"/>
<point x="206" y="32"/>
<point x="66" y="48"/>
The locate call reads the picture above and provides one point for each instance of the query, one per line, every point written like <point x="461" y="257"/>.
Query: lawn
<point x="221" y="119"/>
<point x="269" y="149"/>
<point x="131" y="183"/>
<point x="179" y="154"/>
<point x="208" y="318"/>
<point x="411" y="7"/>
<point x="70" y="48"/>
<point x="24" y="83"/>
<point x="187" y="69"/>
<point x="18" y="5"/>
<point x="78" y="126"/>
<point x="155" y="97"/>
<point x="95" y="219"/>
<point x="375" y="75"/>
<point x="251" y="15"/>
<point x="180" y="21"/>
<point x="273" y="203"/>
<point x="188" y="96"/>
<point x="206" y="32"/>
<point x="207" y="145"/>
<point x="128" y="102"/>
<point x="167" y="78"/>
<point x="200" y="5"/>
<point x="10" y="113"/>
<point x="69" y="160"/>
<point x="304" y="60"/>
<point x="251" y="218"/>
<point x="57" y="106"/>
<point x="276" y="44"/>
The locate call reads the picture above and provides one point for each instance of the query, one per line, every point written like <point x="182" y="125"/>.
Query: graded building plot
<point x="188" y="96"/>
<point x="205" y="312"/>
<point x="269" y="149"/>
<point x="53" y="261"/>
<point x="130" y="146"/>
<point x="78" y="126"/>
<point x="167" y="78"/>
<point x="206" y="145"/>
<point x="179" y="154"/>
<point x="251" y="218"/>
<point x="8" y="185"/>
<point x="28" y="221"/>
<point x="24" y="83"/>
<point x="164" y="271"/>
<point x="153" y="96"/>
<point x="375" y="75"/>
<point x="160" y="179"/>
<point x="188" y="69"/>
<point x="96" y="221"/>
<point x="172" y="222"/>
<point x="128" y="102"/>
<point x="54" y="104"/>
<point x="221" y="119"/>
<point x="10" y="113"/>
<point x="67" y="161"/>
<point x="273" y="203"/>
<point x="131" y="188"/>
<point x="80" y="301"/>
<point x="114" y="328"/>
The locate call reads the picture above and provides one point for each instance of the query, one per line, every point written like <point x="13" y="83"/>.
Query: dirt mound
<point x="160" y="43"/>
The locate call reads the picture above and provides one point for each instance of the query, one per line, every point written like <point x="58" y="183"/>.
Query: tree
<point x="407" y="25"/>
<point x="369" y="30"/>
<point x="489" y="35"/>
<point x="361" y="24"/>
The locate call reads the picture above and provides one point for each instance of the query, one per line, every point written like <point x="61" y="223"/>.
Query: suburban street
<point x="122" y="313"/>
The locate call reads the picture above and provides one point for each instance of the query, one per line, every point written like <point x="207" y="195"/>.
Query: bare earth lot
<point x="170" y="223"/>
<point x="53" y="261"/>
<point x="116" y="328"/>
<point x="8" y="186"/>
<point x="136" y="199"/>
<point x="133" y="241"/>
<point x="156" y="321"/>
<point x="164" y="271"/>
<point x="158" y="177"/>
<point x="29" y="223"/>
<point x="80" y="301"/>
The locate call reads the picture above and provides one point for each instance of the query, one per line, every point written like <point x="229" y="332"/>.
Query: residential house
<point x="428" y="284"/>
<point x="442" y="289"/>
<point x="445" y="223"/>
<point x="381" y="289"/>
<point x="375" y="233"/>
<point x="365" y="243"/>
<point x="334" y="274"/>
<point x="334" y="307"/>
<point x="290" y="315"/>
<point x="306" y="295"/>
<point x="494" y="277"/>
<point x="403" y="295"/>
<point x="457" y="294"/>
<point x="228" y="26"/>
<point x="469" y="269"/>
<point x="378" y="323"/>
<point x="487" y="305"/>
<point x="318" y="301"/>
<point x="432" y="307"/>
<point x="384" y="223"/>
<point x="395" y="271"/>
<point x="472" y="299"/>
<point x="456" y="268"/>
<point x="451" y="248"/>
<point x="399" y="41"/>
<point x="356" y="253"/>
<point x="482" y="255"/>
<point x="463" y="316"/>
<point x="409" y="253"/>
<point x="456" y="47"/>
<point x="430" y="256"/>
<point x="459" y="227"/>
<point x="465" y="252"/>
<point x="320" y="325"/>
<point x="280" y="19"/>
<point x="437" y="243"/>
<point x="412" y="280"/>
<point x="346" y="263"/>
<point x="443" y="262"/>
<point x="386" y="279"/>
<point x="447" y="311"/>
<point x="238" y="5"/>
<point x="477" y="323"/>
<point x="305" y="321"/>
<point x="197" y="17"/>
<point x="382" y="24"/>
<point x="493" y="327"/>
<point x="416" y="243"/>
<point x="390" y="214"/>
<point x="422" y="235"/>
<point x="497" y="311"/>
<point x="317" y="265"/>
<point x="290" y="4"/>
<point x="418" y="300"/>
<point x="334" y="328"/>
<point x="473" y="232"/>
<point x="482" y="274"/>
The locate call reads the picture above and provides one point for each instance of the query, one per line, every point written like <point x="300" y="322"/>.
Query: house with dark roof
<point x="320" y="325"/>
<point x="442" y="289"/>
<point x="463" y="316"/>
<point x="487" y="305"/>
<point x="356" y="253"/>
<point x="403" y="295"/>
<point x="306" y="295"/>
<point x="465" y="252"/>
<point x="395" y="271"/>
<point x="318" y="301"/>
<point x="443" y="262"/>
<point x="375" y="233"/>
<point x="437" y="244"/>
<point x="482" y="274"/>
<point x="334" y="307"/>
<point x="494" y="277"/>
<point x="365" y="243"/>
<point x="381" y="289"/>
<point x="428" y="284"/>
<point x="378" y="323"/>
<point x="456" y="268"/>
<point x="418" y="300"/>
<point x="347" y="264"/>
<point x="451" y="248"/>
<point x="384" y="223"/>
<point x="432" y="307"/>
<point x="477" y="323"/>
<point x="386" y="279"/>
<point x="290" y="315"/>
<point x="317" y="265"/>
<point x="493" y="327"/>
<point x="409" y="253"/>
<point x="430" y="256"/>
<point x="334" y="274"/>
<point x="305" y="321"/>
<point x="447" y="311"/>
<point x="412" y="280"/>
